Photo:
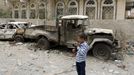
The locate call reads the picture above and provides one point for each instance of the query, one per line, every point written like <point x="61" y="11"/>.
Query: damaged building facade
<point x="51" y="9"/>
<point x="113" y="14"/>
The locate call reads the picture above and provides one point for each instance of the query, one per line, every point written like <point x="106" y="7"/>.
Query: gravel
<point x="22" y="59"/>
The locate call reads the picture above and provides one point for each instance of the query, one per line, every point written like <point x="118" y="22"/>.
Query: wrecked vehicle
<point x="101" y="41"/>
<point x="21" y="24"/>
<point x="8" y="30"/>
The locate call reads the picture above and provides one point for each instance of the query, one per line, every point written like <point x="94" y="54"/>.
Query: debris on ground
<point x="19" y="43"/>
<point x="130" y="48"/>
<point x="111" y="70"/>
<point x="117" y="56"/>
<point x="22" y="60"/>
<point x="120" y="64"/>
<point x="34" y="57"/>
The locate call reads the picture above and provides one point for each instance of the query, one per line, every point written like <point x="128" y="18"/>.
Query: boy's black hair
<point x="83" y="36"/>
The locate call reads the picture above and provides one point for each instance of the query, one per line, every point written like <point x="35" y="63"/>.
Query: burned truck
<point x="101" y="41"/>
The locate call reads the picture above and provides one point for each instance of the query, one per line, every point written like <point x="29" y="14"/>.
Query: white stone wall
<point x="119" y="8"/>
<point x="125" y="26"/>
<point x="3" y="5"/>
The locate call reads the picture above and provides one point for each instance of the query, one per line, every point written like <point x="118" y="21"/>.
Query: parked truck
<point x="102" y="41"/>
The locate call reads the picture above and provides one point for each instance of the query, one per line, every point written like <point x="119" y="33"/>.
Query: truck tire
<point x="102" y="51"/>
<point x="43" y="43"/>
<point x="18" y="38"/>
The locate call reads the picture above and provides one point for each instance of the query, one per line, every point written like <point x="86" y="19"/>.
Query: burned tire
<point x="18" y="38"/>
<point x="43" y="43"/>
<point x="102" y="51"/>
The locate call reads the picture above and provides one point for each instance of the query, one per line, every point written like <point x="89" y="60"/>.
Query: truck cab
<point x="69" y="26"/>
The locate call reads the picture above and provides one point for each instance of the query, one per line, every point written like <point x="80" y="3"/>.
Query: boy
<point x="81" y="53"/>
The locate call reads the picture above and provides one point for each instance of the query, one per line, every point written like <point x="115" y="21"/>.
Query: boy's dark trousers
<point x="80" y="66"/>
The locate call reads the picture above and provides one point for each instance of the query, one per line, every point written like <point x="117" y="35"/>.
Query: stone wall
<point x="4" y="20"/>
<point x="33" y="21"/>
<point x="3" y="5"/>
<point x="125" y="28"/>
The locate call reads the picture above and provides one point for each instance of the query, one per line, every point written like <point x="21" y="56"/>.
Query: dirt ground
<point x="23" y="59"/>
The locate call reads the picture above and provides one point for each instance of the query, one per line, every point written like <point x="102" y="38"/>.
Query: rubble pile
<point x="130" y="48"/>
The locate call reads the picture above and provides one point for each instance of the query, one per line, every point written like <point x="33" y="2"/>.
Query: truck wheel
<point x="102" y="51"/>
<point x="19" y="38"/>
<point x="43" y="43"/>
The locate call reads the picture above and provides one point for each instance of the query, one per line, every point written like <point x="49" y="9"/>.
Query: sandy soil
<point x="23" y="59"/>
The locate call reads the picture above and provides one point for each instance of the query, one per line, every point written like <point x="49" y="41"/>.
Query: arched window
<point x="108" y="9"/>
<point x="59" y="9"/>
<point x="42" y="10"/>
<point x="16" y="11"/>
<point x="32" y="11"/>
<point x="72" y="7"/>
<point x="23" y="11"/>
<point x="91" y="9"/>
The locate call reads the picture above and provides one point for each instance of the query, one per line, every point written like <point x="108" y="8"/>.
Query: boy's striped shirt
<point x="82" y="52"/>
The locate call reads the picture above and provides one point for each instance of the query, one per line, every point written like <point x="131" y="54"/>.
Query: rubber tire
<point x="102" y="51"/>
<point x="18" y="38"/>
<point x="43" y="43"/>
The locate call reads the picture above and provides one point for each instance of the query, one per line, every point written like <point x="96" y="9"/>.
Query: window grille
<point x="32" y="14"/>
<point x="16" y="11"/>
<point x="23" y="11"/>
<point x="90" y="11"/>
<point x="60" y="9"/>
<point x="23" y="14"/>
<point x="42" y="11"/>
<point x="108" y="2"/>
<point x="108" y="12"/>
<point x="90" y="2"/>
<point x="91" y="6"/>
<point x="16" y="14"/>
<point x="72" y="11"/>
<point x="32" y="11"/>
<point x="73" y="7"/>
<point x="108" y="9"/>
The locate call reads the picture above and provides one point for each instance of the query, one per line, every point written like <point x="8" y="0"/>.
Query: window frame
<point x="59" y="7"/>
<point x="76" y="6"/>
<point x="24" y="9"/>
<point x="16" y="9"/>
<point x="92" y="5"/>
<point x="32" y="9"/>
<point x="108" y="5"/>
<point x="42" y="8"/>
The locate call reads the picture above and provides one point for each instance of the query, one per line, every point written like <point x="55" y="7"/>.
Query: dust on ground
<point x="23" y="59"/>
